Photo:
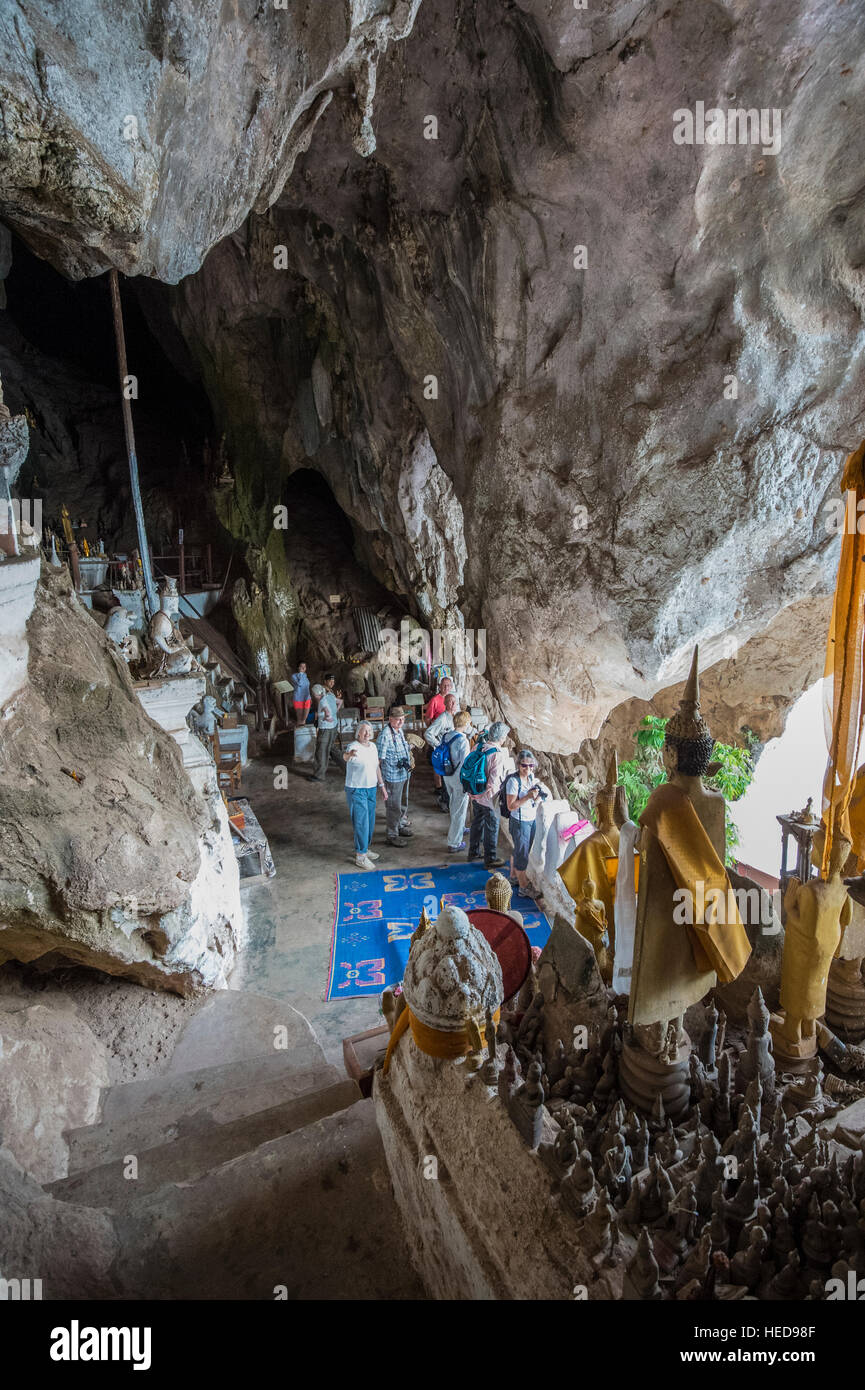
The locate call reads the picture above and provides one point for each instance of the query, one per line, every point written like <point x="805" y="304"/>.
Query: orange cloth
<point x="843" y="692"/>
<point x="856" y="816"/>
<point x="694" y="864"/>
<point x="435" y="1042"/>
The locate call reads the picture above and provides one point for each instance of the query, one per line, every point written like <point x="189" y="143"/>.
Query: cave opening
<point x="58" y="364"/>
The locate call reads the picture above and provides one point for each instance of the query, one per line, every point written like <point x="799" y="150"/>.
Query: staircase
<point x="243" y="1169"/>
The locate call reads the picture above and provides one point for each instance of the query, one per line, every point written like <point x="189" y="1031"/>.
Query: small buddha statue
<point x="591" y="922"/>
<point x="169" y="654"/>
<point x="746" y="1266"/>
<point x="641" y="1274"/>
<point x="811" y="938"/>
<point x="757" y="1062"/>
<point x="498" y="893"/>
<point x="117" y="628"/>
<point x="597" y="856"/>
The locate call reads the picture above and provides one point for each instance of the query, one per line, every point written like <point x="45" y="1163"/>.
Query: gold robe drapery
<point x="589" y="860"/>
<point x="719" y="945"/>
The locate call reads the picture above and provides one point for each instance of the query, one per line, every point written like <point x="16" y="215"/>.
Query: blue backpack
<point x="440" y="758"/>
<point x="473" y="771"/>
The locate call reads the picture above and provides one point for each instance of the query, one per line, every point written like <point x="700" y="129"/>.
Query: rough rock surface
<point x="139" y="136"/>
<point x="70" y="1248"/>
<point x="53" y="1073"/>
<point x="104" y="868"/>
<point x="584" y="484"/>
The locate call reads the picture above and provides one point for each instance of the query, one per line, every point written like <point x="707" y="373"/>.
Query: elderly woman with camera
<point x="523" y="793"/>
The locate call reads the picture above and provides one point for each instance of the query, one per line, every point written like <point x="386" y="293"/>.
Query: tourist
<point x="458" y="745"/>
<point x="524" y="794"/>
<point x="436" y="705"/>
<point x="326" y="720"/>
<point x="485" y="821"/>
<point x="362" y="776"/>
<point x="395" y="756"/>
<point x="433" y="735"/>
<point x="302" y="701"/>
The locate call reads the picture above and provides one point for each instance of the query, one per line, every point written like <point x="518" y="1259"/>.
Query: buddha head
<point x="687" y="743"/>
<point x="170" y="598"/>
<point x="498" y="893"/>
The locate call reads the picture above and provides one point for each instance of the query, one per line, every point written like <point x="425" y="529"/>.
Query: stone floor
<point x="291" y="916"/>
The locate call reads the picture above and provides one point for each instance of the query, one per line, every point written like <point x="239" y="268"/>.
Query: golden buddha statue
<point x="597" y="856"/>
<point x="812" y="936"/>
<point x="688" y="930"/>
<point x="591" y="922"/>
<point x="845" y="992"/>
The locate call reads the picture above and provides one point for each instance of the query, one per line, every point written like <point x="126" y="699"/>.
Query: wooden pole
<point x="143" y="549"/>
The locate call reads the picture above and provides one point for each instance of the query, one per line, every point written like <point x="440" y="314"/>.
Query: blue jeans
<point x="485" y="825"/>
<point x="523" y="835"/>
<point x="361" y="807"/>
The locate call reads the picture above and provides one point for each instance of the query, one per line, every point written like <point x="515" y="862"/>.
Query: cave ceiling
<point x="571" y="382"/>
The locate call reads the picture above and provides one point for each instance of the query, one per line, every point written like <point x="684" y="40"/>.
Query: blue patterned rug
<point x="376" y="914"/>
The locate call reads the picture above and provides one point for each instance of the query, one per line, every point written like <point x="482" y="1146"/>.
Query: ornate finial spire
<point x="688" y="722"/>
<point x="612" y="773"/>
<point x="687" y="732"/>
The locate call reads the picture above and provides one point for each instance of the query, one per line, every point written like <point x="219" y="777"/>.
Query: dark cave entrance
<point x="58" y="363"/>
<point x="328" y="570"/>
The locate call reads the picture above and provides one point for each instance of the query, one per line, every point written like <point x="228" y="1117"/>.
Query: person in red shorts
<point x="302" y="698"/>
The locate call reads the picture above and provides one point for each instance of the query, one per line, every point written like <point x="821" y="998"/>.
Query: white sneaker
<point x="370" y="854"/>
<point x="362" y="862"/>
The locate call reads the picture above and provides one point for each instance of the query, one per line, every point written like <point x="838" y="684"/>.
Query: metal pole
<point x="151" y="598"/>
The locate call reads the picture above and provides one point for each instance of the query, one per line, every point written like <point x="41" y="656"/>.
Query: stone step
<point x="199" y="1142"/>
<point x="147" y="1114"/>
<point x="310" y="1212"/>
<point x="233" y="1026"/>
<point x="225" y="1061"/>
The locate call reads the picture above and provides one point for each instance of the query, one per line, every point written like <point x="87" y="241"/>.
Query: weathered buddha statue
<point x="688" y="930"/>
<point x="169" y="655"/>
<point x="812" y="936"/>
<point x="591" y="922"/>
<point x="597" y="856"/>
<point x="845" y="992"/>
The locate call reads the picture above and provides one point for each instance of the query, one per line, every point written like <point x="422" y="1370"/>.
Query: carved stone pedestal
<point x="643" y="1077"/>
<point x="845" y="1000"/>
<point x="790" y="1056"/>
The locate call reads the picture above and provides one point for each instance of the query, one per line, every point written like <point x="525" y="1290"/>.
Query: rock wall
<point x="476" y="1202"/>
<point x="574" y="383"/>
<point x="122" y="865"/>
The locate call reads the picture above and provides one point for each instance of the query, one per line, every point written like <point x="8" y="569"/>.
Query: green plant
<point x="645" y="771"/>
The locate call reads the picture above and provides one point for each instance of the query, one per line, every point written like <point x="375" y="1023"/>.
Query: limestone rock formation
<point x="574" y="384"/>
<point x="108" y="853"/>
<point x="69" y="1248"/>
<point x="140" y="136"/>
<point x="53" y="1072"/>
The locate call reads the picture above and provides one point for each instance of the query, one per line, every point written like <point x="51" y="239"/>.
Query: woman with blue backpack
<point x="482" y="774"/>
<point x="447" y="759"/>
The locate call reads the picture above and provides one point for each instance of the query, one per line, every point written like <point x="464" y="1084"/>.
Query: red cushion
<point x="509" y="942"/>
